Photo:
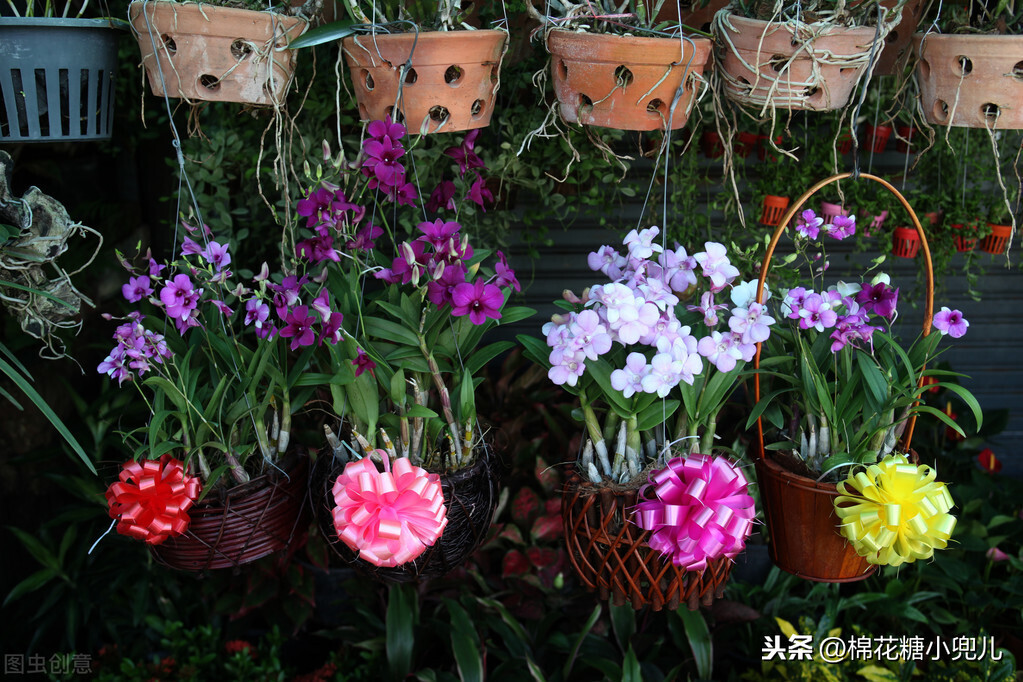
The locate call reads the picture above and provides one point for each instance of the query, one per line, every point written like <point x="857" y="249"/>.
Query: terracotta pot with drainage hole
<point x="971" y="81"/>
<point x="216" y="54"/>
<point x="789" y="70"/>
<point x="450" y="86"/>
<point x="626" y="82"/>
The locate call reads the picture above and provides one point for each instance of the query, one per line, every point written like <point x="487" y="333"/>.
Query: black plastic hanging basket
<point x="56" y="79"/>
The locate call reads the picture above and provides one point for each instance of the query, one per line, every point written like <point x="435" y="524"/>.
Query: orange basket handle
<point x="783" y="224"/>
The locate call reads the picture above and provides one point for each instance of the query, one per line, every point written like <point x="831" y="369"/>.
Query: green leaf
<point x="47" y="411"/>
<point x="535" y="349"/>
<point x="623" y="622"/>
<point x="30" y="584"/>
<point x="516" y="314"/>
<point x="467" y="400"/>
<point x="699" y="639"/>
<point x="872" y="376"/>
<point x="481" y="357"/>
<point x="587" y="627"/>
<point x="390" y="331"/>
<point x="400" y="630"/>
<point x="39" y="551"/>
<point x="335" y="30"/>
<point x="398" y="393"/>
<point x="657" y="413"/>
<point x="465" y="644"/>
<point x="422" y="412"/>
<point x="631" y="671"/>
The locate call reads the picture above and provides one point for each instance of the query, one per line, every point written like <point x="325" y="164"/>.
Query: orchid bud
<point x="465" y="245"/>
<point x="881" y="278"/>
<point x="306" y="169"/>
<point x="569" y="296"/>
<point x="325" y="146"/>
<point x="407" y="253"/>
<point x="264" y="273"/>
<point x="558" y="318"/>
<point x="438" y="270"/>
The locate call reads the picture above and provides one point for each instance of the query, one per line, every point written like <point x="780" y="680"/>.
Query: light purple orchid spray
<point x="845" y="384"/>
<point x="653" y="353"/>
<point x="416" y="298"/>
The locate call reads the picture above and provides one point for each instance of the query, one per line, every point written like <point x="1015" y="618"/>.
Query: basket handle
<point x="783" y="224"/>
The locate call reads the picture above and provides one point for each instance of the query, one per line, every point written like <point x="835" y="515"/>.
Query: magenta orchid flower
<point x="179" y="297"/>
<point x="477" y="300"/>
<point x="136" y="289"/>
<point x="951" y="322"/>
<point x="809" y="224"/>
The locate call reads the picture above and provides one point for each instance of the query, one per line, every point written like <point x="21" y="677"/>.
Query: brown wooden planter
<point x="626" y="82"/>
<point x="244" y="523"/>
<point x="450" y="85"/>
<point x="803" y="526"/>
<point x="610" y="554"/>
<point x="973" y="81"/>
<point x="216" y="54"/>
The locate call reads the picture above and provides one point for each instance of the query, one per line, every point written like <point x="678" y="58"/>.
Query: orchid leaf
<point x="657" y="413"/>
<point x="328" y="33"/>
<point x="516" y="314"/>
<point x="535" y="350"/>
<point x="392" y="331"/>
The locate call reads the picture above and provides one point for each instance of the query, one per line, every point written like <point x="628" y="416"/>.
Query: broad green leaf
<point x="465" y="644"/>
<point x="334" y="31"/>
<point x="37" y="549"/>
<point x="400" y="630"/>
<point x="390" y="331"/>
<point x="700" y="640"/>
<point x="535" y="349"/>
<point x="587" y="627"/>
<point x="516" y="314"/>
<point x="657" y="413"/>
<point x="30" y="584"/>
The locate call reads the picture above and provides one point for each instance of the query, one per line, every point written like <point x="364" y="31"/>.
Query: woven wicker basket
<point x="611" y="555"/>
<point x="244" y="523"/>
<point x="801" y="521"/>
<point x="470" y="495"/>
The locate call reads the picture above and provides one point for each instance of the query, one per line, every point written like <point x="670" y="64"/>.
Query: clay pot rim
<point x="482" y="34"/>
<point x="698" y="46"/>
<point x="830" y="30"/>
<point x="207" y="11"/>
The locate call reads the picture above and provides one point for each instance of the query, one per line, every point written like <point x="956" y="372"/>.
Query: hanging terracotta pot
<point x="772" y="209"/>
<point x="874" y="223"/>
<point x="745" y="144"/>
<point x="626" y="82"/>
<point x="790" y="65"/>
<point x="998" y="241"/>
<point x="450" y="86"/>
<point x="243" y="523"/>
<point x="216" y="54"/>
<point x="972" y="81"/>
<point x="844" y="144"/>
<point x="875" y="138"/>
<point x="611" y="556"/>
<point x="803" y="526"/>
<point x="896" y="51"/>
<point x="965" y="236"/>
<point x="905" y="242"/>
<point x="904" y="139"/>
<point x="830" y="211"/>
<point x="711" y="144"/>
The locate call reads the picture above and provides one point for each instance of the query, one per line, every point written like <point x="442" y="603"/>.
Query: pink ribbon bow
<point x="701" y="511"/>
<point x="152" y="499"/>
<point x="389" y="517"/>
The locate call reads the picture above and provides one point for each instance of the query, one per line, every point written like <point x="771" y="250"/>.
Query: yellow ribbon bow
<point x="895" y="512"/>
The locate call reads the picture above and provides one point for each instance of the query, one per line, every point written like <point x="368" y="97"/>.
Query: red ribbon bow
<point x="389" y="517"/>
<point x="152" y="499"/>
<point x="701" y="511"/>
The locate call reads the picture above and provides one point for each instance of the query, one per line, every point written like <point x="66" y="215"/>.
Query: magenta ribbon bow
<point x="152" y="499"/>
<point x="389" y="517"/>
<point x="701" y="510"/>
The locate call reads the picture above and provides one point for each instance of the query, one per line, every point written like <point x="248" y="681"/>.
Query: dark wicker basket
<point x="470" y="495"/>
<point x="243" y="523"/>
<point x="611" y="555"/>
